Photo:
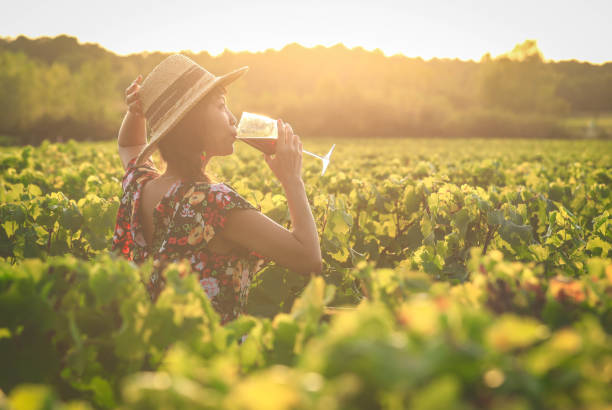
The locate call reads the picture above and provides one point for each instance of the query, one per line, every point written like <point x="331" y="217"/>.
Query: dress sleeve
<point x="134" y="174"/>
<point x="204" y="211"/>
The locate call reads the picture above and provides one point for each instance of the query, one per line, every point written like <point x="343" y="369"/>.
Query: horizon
<point x="439" y="29"/>
<point x="83" y="43"/>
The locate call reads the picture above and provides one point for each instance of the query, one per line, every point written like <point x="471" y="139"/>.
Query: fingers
<point x="290" y="136"/>
<point x="293" y="139"/>
<point x="131" y="88"/>
<point x="270" y="161"/>
<point x="286" y="138"/>
<point x="280" y="139"/>
<point x="283" y="140"/>
<point x="134" y="86"/>
<point x="133" y="97"/>
<point x="287" y="132"/>
<point x="282" y="132"/>
<point x="287" y="161"/>
<point x="300" y="156"/>
<point x="134" y="103"/>
<point x="298" y="143"/>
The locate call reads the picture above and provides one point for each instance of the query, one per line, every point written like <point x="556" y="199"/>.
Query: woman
<point x="181" y="213"/>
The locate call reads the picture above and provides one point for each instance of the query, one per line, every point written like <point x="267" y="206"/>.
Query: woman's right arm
<point x="132" y="133"/>
<point x="298" y="249"/>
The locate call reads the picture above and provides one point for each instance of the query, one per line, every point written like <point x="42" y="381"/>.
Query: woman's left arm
<point x="132" y="133"/>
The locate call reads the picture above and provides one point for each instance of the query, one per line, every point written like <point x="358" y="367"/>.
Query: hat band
<point x="172" y="94"/>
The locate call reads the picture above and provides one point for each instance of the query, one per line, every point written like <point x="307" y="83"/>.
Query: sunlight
<point x="441" y="28"/>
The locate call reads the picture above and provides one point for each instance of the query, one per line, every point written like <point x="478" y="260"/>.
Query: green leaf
<point x="510" y="332"/>
<point x="516" y="234"/>
<point x="34" y="190"/>
<point x="71" y="218"/>
<point x="461" y="219"/>
<point x="411" y="200"/>
<point x="103" y="392"/>
<point x="495" y="217"/>
<point x="6" y="245"/>
<point x="539" y="252"/>
<point x="598" y="247"/>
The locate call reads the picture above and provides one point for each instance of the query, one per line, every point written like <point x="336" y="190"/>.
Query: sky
<point x="463" y="29"/>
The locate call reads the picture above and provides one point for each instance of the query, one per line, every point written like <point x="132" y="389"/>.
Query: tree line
<point x="57" y="88"/>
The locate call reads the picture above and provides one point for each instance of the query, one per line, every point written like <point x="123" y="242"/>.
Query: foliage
<point x="88" y="331"/>
<point x="55" y="89"/>
<point x="457" y="274"/>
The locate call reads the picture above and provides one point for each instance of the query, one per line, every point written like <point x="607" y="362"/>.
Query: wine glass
<point x="261" y="132"/>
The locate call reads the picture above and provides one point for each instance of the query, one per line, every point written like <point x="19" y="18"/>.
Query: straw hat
<point x="175" y="86"/>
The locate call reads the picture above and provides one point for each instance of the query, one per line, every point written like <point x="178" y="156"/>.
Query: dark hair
<point x="182" y="147"/>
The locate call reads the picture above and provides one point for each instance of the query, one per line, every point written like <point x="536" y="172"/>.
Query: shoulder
<point x="135" y="174"/>
<point x="216" y="195"/>
<point x="202" y="210"/>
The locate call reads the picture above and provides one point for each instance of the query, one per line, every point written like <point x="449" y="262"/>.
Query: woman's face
<point x="215" y="124"/>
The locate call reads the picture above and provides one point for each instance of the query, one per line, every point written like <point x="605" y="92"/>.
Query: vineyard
<point x="464" y="274"/>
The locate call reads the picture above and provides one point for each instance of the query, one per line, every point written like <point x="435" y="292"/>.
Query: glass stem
<point x="314" y="155"/>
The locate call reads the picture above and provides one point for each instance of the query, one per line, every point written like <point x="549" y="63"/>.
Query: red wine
<point x="267" y="145"/>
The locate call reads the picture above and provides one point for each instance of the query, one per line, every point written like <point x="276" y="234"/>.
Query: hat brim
<point x="186" y="106"/>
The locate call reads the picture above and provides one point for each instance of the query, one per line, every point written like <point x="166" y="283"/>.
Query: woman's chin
<point x="230" y="151"/>
<point x="232" y="146"/>
<point x="223" y="152"/>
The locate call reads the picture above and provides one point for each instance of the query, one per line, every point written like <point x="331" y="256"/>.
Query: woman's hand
<point x="298" y="249"/>
<point x="287" y="162"/>
<point x="132" y="97"/>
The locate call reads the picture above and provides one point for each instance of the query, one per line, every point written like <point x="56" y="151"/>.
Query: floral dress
<point x="184" y="221"/>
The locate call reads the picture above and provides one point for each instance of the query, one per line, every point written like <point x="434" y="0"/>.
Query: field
<point x="461" y="274"/>
<point x="589" y="125"/>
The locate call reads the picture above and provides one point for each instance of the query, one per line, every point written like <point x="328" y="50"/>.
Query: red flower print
<point x="223" y="200"/>
<point x="182" y="241"/>
<point x="216" y="219"/>
<point x="213" y="218"/>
